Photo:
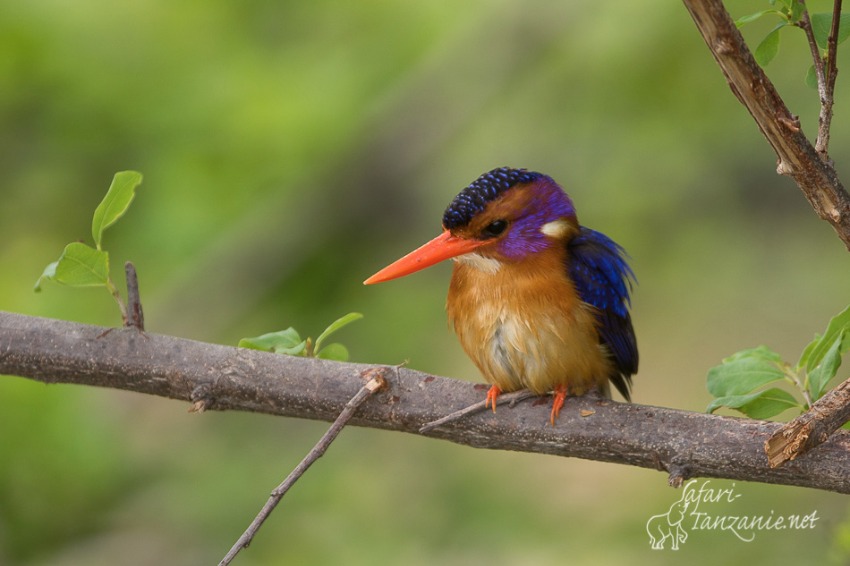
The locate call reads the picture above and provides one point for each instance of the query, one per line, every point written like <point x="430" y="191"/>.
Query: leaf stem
<point x="117" y="296"/>
<point x="800" y="385"/>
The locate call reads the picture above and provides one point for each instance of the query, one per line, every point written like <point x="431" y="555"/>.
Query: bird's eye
<point x="495" y="228"/>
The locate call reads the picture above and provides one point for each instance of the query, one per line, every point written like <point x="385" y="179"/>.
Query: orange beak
<point x="444" y="246"/>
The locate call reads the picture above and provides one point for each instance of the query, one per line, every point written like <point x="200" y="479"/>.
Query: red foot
<point x="492" y="394"/>
<point x="558" y="402"/>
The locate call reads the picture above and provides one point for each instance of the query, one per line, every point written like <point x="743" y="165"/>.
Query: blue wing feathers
<point x="603" y="279"/>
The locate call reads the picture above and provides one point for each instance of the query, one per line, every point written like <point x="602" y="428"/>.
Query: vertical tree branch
<point x="797" y="158"/>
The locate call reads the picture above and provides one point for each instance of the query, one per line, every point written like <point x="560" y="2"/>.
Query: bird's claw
<point x="492" y="394"/>
<point x="558" y="402"/>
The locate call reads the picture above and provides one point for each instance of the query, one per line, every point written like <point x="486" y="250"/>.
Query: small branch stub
<point x="377" y="381"/>
<point x="810" y="429"/>
<point x="677" y="476"/>
<point x="200" y="398"/>
<point x="135" y="317"/>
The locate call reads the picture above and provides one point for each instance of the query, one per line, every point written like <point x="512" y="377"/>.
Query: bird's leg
<point x="558" y="402"/>
<point x="492" y="394"/>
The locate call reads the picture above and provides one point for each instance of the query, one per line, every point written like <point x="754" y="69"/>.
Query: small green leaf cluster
<point x="81" y="265"/>
<point x="290" y="342"/>
<point x="741" y="381"/>
<point x="790" y="13"/>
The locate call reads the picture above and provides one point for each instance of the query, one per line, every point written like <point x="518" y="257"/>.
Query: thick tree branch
<point x="222" y="378"/>
<point x="797" y="158"/>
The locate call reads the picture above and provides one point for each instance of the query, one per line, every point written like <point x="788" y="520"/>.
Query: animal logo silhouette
<point x="668" y="525"/>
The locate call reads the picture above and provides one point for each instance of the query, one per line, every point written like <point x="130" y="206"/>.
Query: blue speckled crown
<point x="484" y="189"/>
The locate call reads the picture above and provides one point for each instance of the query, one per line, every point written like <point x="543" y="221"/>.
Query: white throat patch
<point x="481" y="263"/>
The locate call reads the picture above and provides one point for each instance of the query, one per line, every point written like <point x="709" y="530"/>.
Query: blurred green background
<point x="290" y="149"/>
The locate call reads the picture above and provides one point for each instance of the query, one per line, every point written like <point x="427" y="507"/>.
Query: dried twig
<point x="375" y="384"/>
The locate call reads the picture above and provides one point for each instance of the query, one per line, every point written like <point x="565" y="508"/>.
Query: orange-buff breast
<point x="524" y="326"/>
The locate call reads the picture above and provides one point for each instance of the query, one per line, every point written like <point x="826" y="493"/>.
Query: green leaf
<point x="822" y="24"/>
<point x="811" y="79"/>
<point x="759" y="405"/>
<point x="814" y="352"/>
<point x="334" y="351"/>
<point x="753" y="17"/>
<point x="48" y="273"/>
<point x="843" y="28"/>
<point x="744" y="372"/>
<point x="761" y="352"/>
<point x="336" y="325"/>
<point x="769" y="403"/>
<point x="826" y="370"/>
<point x="79" y="266"/>
<point x="115" y="203"/>
<point x="283" y="342"/>
<point x="299" y="349"/>
<point x="769" y="46"/>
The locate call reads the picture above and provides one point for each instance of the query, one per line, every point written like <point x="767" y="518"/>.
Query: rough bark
<point x="213" y="377"/>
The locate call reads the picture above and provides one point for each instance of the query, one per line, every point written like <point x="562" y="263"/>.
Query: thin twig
<point x="511" y="398"/>
<point x="831" y="71"/>
<point x="832" y="44"/>
<point x="375" y="384"/>
<point x="135" y="316"/>
<point x="806" y="25"/>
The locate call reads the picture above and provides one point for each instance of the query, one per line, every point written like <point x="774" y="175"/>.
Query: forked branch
<point x="797" y="158"/>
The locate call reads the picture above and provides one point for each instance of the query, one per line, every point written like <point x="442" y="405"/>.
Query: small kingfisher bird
<point x="538" y="301"/>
